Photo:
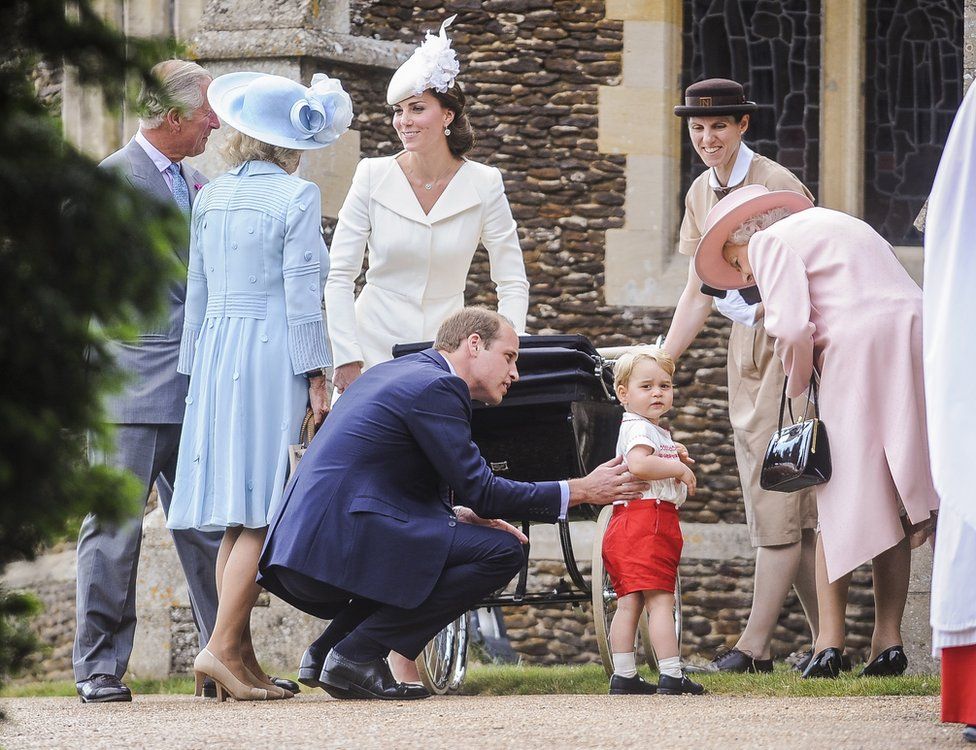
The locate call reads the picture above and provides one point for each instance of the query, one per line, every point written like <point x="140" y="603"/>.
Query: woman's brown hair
<point x="461" y="138"/>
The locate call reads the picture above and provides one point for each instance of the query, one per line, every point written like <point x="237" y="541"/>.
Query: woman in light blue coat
<point x="254" y="343"/>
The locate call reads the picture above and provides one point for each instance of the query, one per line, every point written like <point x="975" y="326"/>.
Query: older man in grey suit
<point x="149" y="412"/>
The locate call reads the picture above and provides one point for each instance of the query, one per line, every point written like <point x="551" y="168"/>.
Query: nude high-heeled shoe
<point x="274" y="692"/>
<point x="206" y="664"/>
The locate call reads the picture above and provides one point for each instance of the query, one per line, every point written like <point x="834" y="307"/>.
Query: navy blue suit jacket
<point x="368" y="510"/>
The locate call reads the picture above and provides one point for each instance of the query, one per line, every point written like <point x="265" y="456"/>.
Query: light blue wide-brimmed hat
<point x="282" y="112"/>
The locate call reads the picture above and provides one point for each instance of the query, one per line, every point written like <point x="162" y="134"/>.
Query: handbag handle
<point x="307" y="432"/>
<point x="811" y="392"/>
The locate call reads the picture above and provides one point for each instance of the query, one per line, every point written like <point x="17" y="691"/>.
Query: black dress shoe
<point x="735" y="660"/>
<point x="285" y="684"/>
<point x="310" y="668"/>
<point x="103" y="688"/>
<point x="372" y="679"/>
<point x="825" y="664"/>
<point x="889" y="663"/>
<point x="969" y="733"/>
<point x="209" y="688"/>
<point x="635" y="685"/>
<point x="310" y="675"/>
<point x="677" y="686"/>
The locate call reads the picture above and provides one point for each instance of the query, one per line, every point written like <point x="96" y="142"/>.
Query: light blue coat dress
<point x="253" y="325"/>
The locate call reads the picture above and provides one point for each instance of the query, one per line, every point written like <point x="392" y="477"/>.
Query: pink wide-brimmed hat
<point x="725" y="217"/>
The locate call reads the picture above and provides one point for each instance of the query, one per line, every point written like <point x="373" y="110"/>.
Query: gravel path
<point x="537" y="721"/>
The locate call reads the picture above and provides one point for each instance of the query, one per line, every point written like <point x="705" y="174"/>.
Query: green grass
<point x="64" y="688"/>
<point x="589" y="679"/>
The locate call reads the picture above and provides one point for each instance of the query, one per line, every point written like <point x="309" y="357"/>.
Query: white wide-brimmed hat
<point x="279" y="111"/>
<point x="433" y="65"/>
<point x="725" y="217"/>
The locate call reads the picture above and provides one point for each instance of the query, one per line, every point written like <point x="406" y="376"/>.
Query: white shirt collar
<point x="449" y="365"/>
<point x="630" y="416"/>
<point x="161" y="161"/>
<point x="742" y="162"/>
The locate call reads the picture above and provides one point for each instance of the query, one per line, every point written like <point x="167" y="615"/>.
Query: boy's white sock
<point x="671" y="667"/>
<point x="625" y="665"/>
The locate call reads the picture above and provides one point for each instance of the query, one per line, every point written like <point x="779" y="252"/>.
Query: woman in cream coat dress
<point x="418" y="261"/>
<point x="840" y="305"/>
<point x="422" y="214"/>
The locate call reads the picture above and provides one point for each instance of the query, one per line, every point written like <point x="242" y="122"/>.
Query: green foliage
<point x="77" y="244"/>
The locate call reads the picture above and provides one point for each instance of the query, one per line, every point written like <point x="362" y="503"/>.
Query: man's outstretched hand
<point x="466" y="515"/>
<point x="606" y="483"/>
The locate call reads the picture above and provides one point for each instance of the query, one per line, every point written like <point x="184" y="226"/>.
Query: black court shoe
<point x="889" y="663"/>
<point x="635" y="685"/>
<point x="678" y="686"/>
<point x="969" y="733"/>
<point x="825" y="664"/>
<point x="735" y="660"/>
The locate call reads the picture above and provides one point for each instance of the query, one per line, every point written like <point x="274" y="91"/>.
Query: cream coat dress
<point x="418" y="263"/>
<point x="838" y="300"/>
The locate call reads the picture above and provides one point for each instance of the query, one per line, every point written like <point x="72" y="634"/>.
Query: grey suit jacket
<point x="154" y="392"/>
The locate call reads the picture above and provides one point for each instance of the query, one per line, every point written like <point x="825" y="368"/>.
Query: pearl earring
<point x="447" y="132"/>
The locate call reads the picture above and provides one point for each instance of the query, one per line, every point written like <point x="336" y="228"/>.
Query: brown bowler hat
<point x="715" y="97"/>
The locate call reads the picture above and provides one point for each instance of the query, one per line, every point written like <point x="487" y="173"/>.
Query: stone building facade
<point x="572" y="100"/>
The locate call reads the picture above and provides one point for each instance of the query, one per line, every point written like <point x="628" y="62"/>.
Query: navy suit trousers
<point x="481" y="560"/>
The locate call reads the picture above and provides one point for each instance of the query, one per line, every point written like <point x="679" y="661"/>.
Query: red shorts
<point x="642" y="547"/>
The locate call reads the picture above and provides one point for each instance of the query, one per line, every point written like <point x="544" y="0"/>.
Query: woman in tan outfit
<point x="781" y="526"/>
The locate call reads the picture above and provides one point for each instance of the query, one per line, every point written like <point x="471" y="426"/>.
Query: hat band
<point x="713" y="101"/>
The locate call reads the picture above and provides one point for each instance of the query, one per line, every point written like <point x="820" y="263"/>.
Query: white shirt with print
<point x="636" y="430"/>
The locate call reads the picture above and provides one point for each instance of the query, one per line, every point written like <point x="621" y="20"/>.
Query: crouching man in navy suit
<point x="366" y="534"/>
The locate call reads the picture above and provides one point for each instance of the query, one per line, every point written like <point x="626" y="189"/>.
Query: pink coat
<point x="837" y="298"/>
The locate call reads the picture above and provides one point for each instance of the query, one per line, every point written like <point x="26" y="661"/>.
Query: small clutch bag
<point x="798" y="455"/>
<point x="305" y="435"/>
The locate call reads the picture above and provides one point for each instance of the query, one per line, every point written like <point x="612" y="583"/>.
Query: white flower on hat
<point x="437" y="64"/>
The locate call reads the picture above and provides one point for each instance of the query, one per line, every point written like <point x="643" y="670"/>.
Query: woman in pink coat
<point x="840" y="305"/>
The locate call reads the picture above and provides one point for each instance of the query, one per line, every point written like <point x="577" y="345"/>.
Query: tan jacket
<point x="700" y="197"/>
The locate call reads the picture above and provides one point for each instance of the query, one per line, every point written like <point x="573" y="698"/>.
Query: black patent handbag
<point x="798" y="455"/>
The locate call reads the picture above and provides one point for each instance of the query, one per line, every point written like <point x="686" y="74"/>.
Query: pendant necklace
<point x="430" y="185"/>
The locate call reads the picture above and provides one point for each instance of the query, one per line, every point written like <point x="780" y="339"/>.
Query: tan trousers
<point x="755" y="386"/>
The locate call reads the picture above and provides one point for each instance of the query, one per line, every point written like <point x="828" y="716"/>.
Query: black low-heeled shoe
<point x="736" y="660"/>
<point x="889" y="663"/>
<point x="827" y="663"/>
<point x="969" y="733"/>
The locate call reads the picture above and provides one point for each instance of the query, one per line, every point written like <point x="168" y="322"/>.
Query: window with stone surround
<point x="912" y="90"/>
<point x="772" y="47"/>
